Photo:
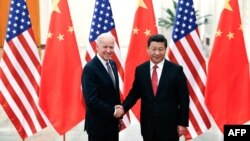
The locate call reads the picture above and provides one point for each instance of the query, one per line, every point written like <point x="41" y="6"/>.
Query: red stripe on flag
<point x="115" y="58"/>
<point x="24" y="66"/>
<point x="8" y="110"/>
<point x="195" y="124"/>
<point x="29" y="51"/>
<point x="171" y="56"/>
<point x="87" y="57"/>
<point x="19" y="104"/>
<point x="20" y="73"/>
<point x="190" y="65"/>
<point x="198" y="106"/>
<point x="196" y="51"/>
<point x="24" y="89"/>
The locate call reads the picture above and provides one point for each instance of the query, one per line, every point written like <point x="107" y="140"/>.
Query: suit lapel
<point x="147" y="77"/>
<point x="100" y="65"/>
<point x="103" y="69"/>
<point x="163" y="78"/>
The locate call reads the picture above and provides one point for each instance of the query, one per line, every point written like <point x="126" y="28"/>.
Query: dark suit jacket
<point x="100" y="97"/>
<point x="162" y="113"/>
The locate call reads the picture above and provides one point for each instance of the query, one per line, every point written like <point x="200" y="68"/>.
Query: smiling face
<point x="156" y="51"/>
<point x="105" y="47"/>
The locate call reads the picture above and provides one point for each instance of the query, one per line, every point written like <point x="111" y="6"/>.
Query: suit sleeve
<point x="92" y="101"/>
<point x="133" y="95"/>
<point x="183" y="98"/>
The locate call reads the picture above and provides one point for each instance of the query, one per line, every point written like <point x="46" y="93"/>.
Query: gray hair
<point x="104" y="35"/>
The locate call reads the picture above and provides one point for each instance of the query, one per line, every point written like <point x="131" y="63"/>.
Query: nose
<point x="108" y="50"/>
<point x="157" y="51"/>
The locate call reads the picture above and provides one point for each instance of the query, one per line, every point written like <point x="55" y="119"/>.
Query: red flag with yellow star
<point x="60" y="93"/>
<point x="144" y="26"/>
<point x="228" y="82"/>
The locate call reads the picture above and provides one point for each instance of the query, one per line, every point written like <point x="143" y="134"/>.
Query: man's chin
<point x="107" y="58"/>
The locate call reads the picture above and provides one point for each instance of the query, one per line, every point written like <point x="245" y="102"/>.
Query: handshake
<point x="119" y="111"/>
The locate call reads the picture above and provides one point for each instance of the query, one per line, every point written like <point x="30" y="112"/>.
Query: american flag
<point x="20" y="73"/>
<point x="103" y="22"/>
<point x="186" y="50"/>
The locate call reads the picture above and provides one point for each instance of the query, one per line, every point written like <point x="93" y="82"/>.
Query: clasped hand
<point x="119" y="111"/>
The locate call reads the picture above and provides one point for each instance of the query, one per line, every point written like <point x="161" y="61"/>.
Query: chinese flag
<point x="228" y="82"/>
<point x="144" y="26"/>
<point x="60" y="93"/>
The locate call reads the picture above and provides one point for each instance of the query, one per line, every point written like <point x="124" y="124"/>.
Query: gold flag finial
<point x="228" y="6"/>
<point x="142" y="4"/>
<point x="55" y="6"/>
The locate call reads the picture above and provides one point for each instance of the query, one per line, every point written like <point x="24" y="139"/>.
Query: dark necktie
<point x="154" y="79"/>
<point x="110" y="73"/>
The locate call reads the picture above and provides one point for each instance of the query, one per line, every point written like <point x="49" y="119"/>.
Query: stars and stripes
<point x="186" y="50"/>
<point x="20" y="73"/>
<point x="103" y="22"/>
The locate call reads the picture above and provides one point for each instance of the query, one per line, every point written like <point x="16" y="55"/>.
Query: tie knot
<point x="155" y="67"/>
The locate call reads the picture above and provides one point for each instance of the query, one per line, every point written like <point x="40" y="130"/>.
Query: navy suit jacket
<point x="100" y="97"/>
<point x="162" y="113"/>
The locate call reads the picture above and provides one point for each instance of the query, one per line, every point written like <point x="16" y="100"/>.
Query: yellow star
<point x="60" y="37"/>
<point x="135" y="30"/>
<point x="49" y="35"/>
<point x="218" y="33"/>
<point x="228" y="6"/>
<point x="230" y="35"/>
<point x="241" y="27"/>
<point x="142" y="4"/>
<point x="147" y="32"/>
<point x="71" y="29"/>
<point x="55" y="6"/>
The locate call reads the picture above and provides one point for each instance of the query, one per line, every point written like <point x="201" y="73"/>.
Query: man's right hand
<point x="119" y="111"/>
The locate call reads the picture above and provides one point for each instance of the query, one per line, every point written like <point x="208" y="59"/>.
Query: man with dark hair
<point x="161" y="85"/>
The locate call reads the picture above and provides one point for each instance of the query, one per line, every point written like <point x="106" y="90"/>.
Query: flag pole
<point x="64" y="137"/>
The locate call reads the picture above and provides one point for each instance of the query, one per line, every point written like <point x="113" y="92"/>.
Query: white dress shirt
<point x="158" y="70"/>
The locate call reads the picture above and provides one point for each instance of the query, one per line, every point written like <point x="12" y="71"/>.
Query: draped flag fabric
<point x="103" y="22"/>
<point x="228" y="82"/>
<point x="186" y="50"/>
<point x="60" y="93"/>
<point x="144" y="26"/>
<point x="20" y="70"/>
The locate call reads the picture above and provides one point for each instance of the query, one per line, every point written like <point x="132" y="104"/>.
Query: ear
<point x="97" y="47"/>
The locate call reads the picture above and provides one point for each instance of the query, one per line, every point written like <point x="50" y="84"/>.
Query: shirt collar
<point x="160" y="65"/>
<point x="102" y="60"/>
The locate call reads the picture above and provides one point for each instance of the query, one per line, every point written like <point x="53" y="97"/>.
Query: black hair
<point x="157" y="38"/>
